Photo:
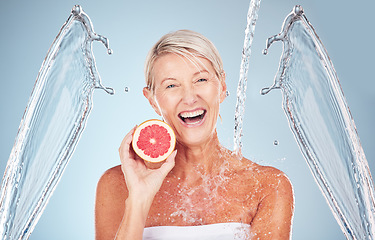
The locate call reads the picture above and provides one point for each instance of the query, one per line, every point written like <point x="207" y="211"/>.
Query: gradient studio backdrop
<point x="28" y="28"/>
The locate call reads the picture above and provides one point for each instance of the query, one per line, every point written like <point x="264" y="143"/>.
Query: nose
<point x="189" y="96"/>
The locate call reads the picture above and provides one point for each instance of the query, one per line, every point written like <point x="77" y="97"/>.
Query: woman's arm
<point x="134" y="219"/>
<point x="111" y="193"/>
<point x="274" y="216"/>
<point x="125" y="195"/>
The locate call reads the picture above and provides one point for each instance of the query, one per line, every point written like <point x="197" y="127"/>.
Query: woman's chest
<point x="204" y="204"/>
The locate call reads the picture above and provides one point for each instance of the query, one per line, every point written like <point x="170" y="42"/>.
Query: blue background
<point x="28" y="28"/>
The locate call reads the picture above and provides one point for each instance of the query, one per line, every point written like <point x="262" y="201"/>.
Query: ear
<point x="150" y="96"/>
<point x="223" y="90"/>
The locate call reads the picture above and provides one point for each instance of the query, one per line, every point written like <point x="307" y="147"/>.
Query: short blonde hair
<point x="186" y="43"/>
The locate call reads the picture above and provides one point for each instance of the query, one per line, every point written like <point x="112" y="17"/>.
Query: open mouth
<point x="193" y="117"/>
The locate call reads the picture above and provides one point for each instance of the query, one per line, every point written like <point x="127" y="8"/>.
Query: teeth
<point x="192" y="114"/>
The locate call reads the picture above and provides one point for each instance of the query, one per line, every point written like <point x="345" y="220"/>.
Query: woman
<point x="202" y="185"/>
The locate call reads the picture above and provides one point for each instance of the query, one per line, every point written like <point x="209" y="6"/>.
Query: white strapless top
<point x="217" y="231"/>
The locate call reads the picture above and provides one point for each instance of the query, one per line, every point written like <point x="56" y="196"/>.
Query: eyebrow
<point x="195" y="74"/>
<point x="199" y="72"/>
<point x="166" y="79"/>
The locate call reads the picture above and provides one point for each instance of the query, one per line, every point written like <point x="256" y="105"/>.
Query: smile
<point x="193" y="117"/>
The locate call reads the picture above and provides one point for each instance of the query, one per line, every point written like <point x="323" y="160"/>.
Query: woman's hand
<point x="121" y="210"/>
<point x="141" y="181"/>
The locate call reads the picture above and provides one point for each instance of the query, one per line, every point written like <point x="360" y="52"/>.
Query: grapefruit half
<point x="153" y="141"/>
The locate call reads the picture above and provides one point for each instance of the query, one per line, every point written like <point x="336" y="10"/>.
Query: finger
<point x="124" y="149"/>
<point x="169" y="163"/>
<point x="130" y="133"/>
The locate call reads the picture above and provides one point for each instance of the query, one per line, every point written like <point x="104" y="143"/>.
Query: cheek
<point x="213" y="93"/>
<point x="167" y="102"/>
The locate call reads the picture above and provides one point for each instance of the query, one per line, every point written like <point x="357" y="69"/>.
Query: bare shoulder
<point x="112" y="174"/>
<point x="272" y="175"/>
<point x="112" y="183"/>
<point x="269" y="179"/>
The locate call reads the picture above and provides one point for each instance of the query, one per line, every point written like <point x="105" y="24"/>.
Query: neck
<point x="192" y="162"/>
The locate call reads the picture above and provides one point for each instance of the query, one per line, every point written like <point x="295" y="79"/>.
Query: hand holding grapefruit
<point x="154" y="141"/>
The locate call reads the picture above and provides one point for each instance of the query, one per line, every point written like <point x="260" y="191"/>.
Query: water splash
<point x="252" y="17"/>
<point x="321" y="122"/>
<point x="51" y="127"/>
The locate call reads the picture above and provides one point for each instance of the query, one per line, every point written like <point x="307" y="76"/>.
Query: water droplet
<point x="265" y="51"/>
<point x="227" y="93"/>
<point x="126" y="89"/>
<point x="110" y="51"/>
<point x="77" y="9"/>
<point x="298" y="10"/>
<point x="275" y="142"/>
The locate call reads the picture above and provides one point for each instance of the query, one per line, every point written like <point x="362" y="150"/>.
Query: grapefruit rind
<point x="141" y="153"/>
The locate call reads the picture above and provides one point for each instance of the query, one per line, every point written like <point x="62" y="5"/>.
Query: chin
<point x="199" y="138"/>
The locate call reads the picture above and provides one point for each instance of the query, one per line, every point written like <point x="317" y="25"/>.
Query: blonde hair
<point x="186" y="43"/>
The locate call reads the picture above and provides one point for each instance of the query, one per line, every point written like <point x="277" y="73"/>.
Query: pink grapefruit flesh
<point x="153" y="141"/>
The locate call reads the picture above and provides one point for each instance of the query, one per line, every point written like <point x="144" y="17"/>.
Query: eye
<point x="171" y="86"/>
<point x="202" y="80"/>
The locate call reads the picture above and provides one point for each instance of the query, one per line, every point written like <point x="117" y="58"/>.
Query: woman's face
<point x="187" y="95"/>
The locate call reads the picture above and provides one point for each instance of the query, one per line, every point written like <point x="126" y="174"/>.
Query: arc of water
<point x="323" y="127"/>
<point x="51" y="127"/>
